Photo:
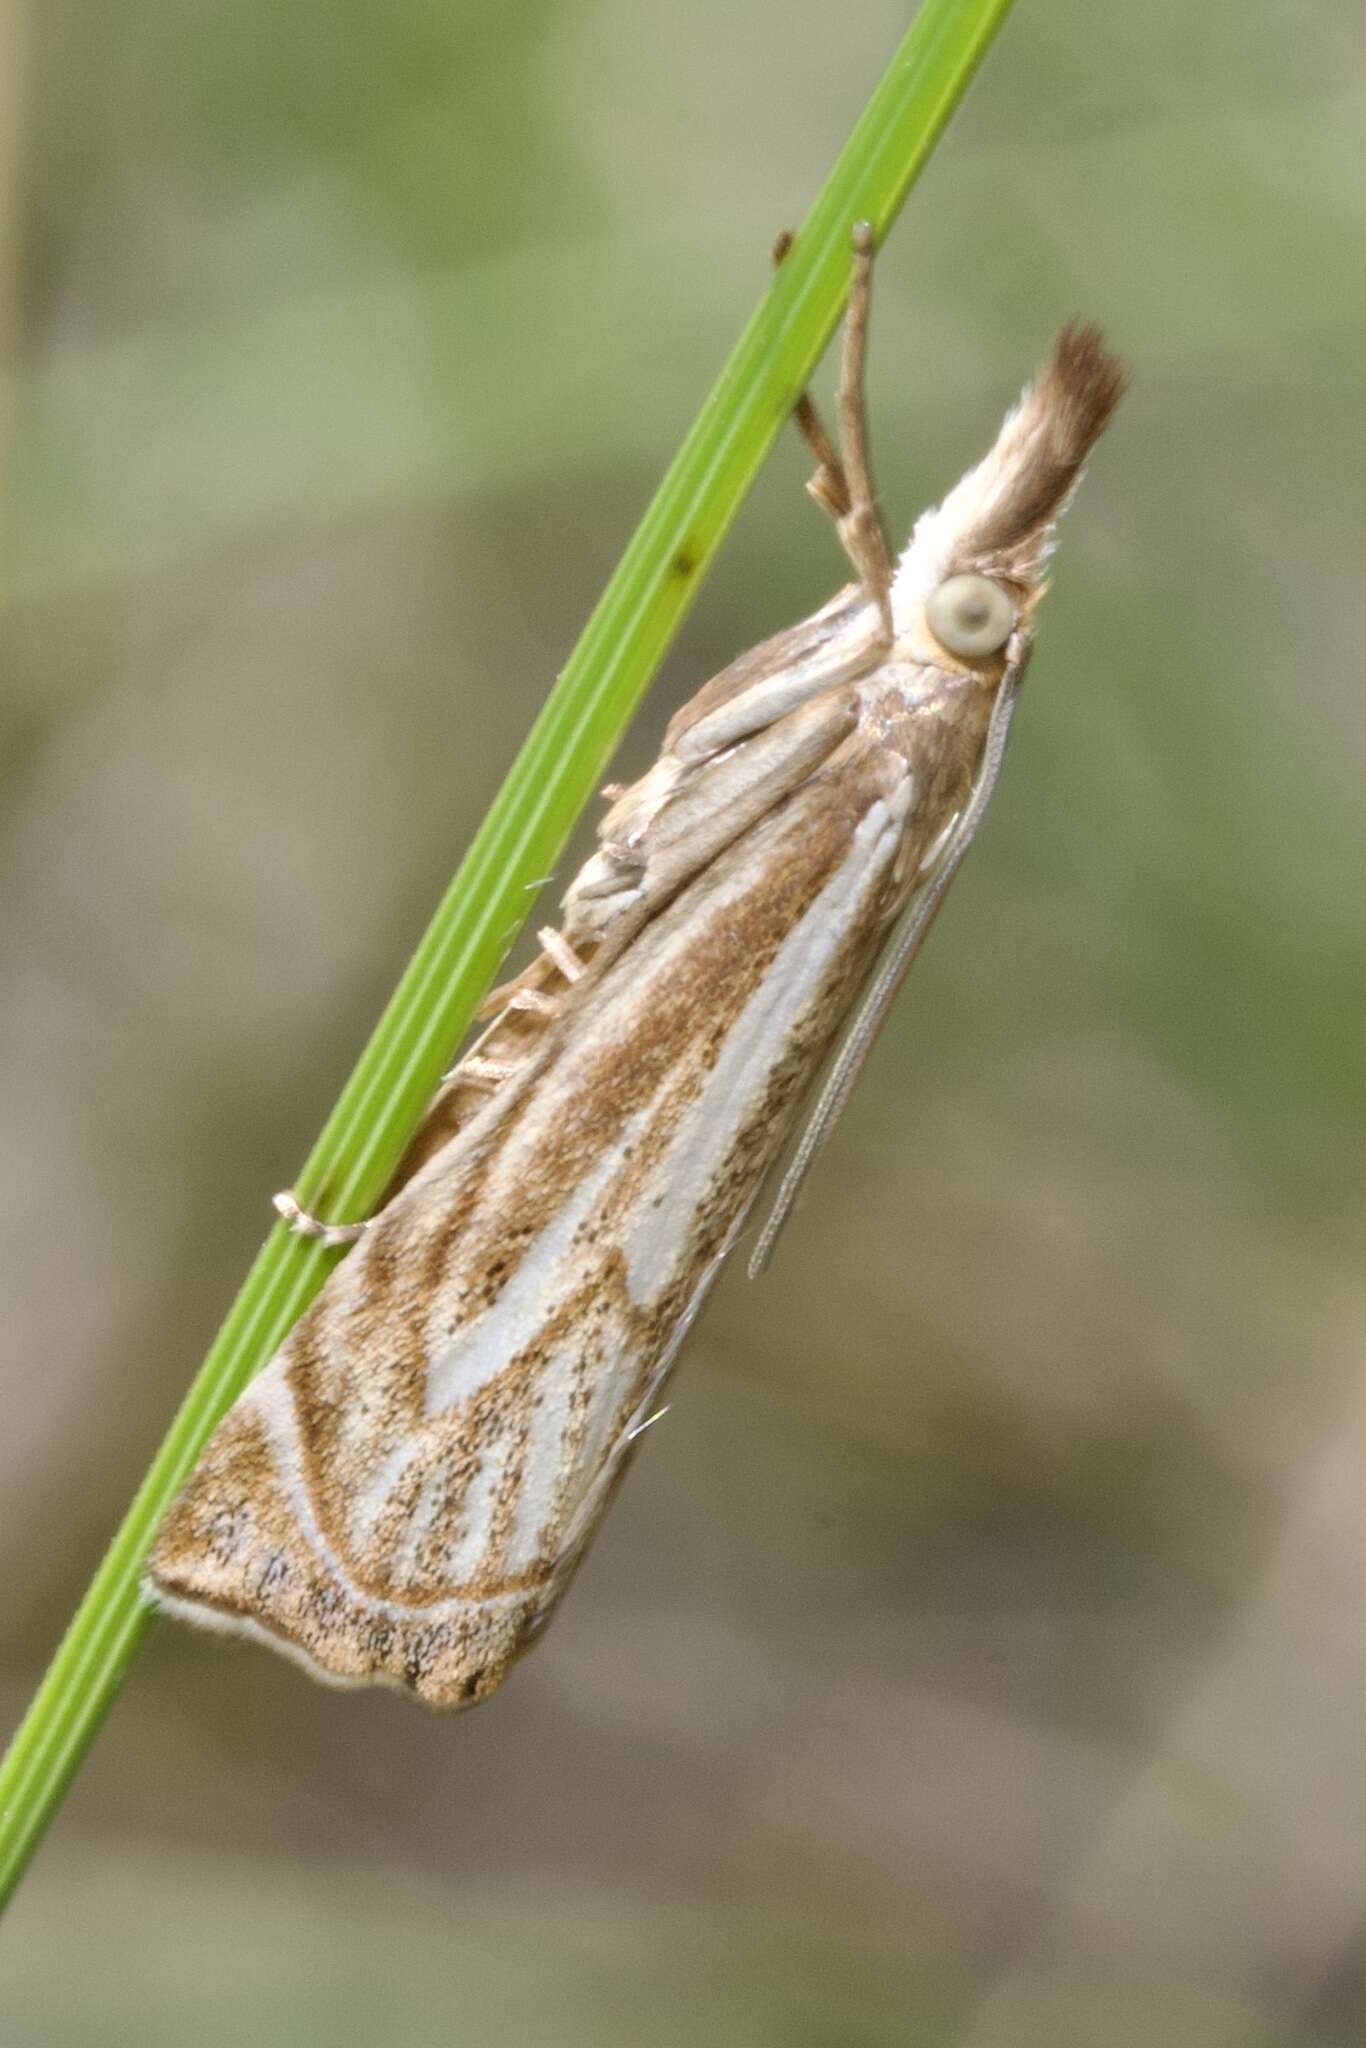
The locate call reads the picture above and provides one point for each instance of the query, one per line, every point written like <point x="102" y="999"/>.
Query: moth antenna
<point x="648" y="1423"/>
<point x="872" y="1011"/>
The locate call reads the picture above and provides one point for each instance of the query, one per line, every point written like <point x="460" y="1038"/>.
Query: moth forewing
<point x="403" y="1494"/>
<point x="938" y="865"/>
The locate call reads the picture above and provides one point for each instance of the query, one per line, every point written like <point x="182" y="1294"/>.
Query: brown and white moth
<point x="402" y="1496"/>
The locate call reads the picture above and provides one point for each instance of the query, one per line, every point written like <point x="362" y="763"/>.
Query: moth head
<point x="968" y="583"/>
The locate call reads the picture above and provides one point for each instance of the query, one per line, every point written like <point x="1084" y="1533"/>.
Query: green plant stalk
<point x="553" y="777"/>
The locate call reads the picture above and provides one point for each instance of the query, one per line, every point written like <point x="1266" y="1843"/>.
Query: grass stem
<point x="552" y="778"/>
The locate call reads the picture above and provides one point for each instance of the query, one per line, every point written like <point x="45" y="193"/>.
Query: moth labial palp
<point x="404" y="1493"/>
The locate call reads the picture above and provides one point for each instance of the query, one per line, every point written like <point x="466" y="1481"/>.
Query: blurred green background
<point x="977" y="1655"/>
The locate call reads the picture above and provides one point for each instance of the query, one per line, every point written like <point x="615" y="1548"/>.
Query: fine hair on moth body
<point x="403" y="1495"/>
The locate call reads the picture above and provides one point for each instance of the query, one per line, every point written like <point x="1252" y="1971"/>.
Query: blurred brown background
<point x="977" y="1655"/>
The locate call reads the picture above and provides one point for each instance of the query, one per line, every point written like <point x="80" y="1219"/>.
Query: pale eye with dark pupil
<point x="970" y="615"/>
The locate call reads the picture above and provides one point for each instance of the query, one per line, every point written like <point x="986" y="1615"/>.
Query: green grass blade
<point x="553" y="777"/>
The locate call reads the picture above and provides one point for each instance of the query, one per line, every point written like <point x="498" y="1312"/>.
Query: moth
<point x="403" y="1495"/>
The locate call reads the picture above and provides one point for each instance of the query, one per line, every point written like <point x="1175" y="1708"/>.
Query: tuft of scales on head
<point x="999" y="521"/>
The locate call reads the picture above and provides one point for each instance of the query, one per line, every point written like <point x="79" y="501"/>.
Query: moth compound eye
<point x="970" y="615"/>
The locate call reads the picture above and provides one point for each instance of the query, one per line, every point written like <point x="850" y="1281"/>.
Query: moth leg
<point x="535" y="1000"/>
<point x="560" y="953"/>
<point x="829" y="486"/>
<point x="475" y="1067"/>
<point x="861" y="529"/>
<point x="303" y="1225"/>
<point x="516" y="1016"/>
<point x="843" y="483"/>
